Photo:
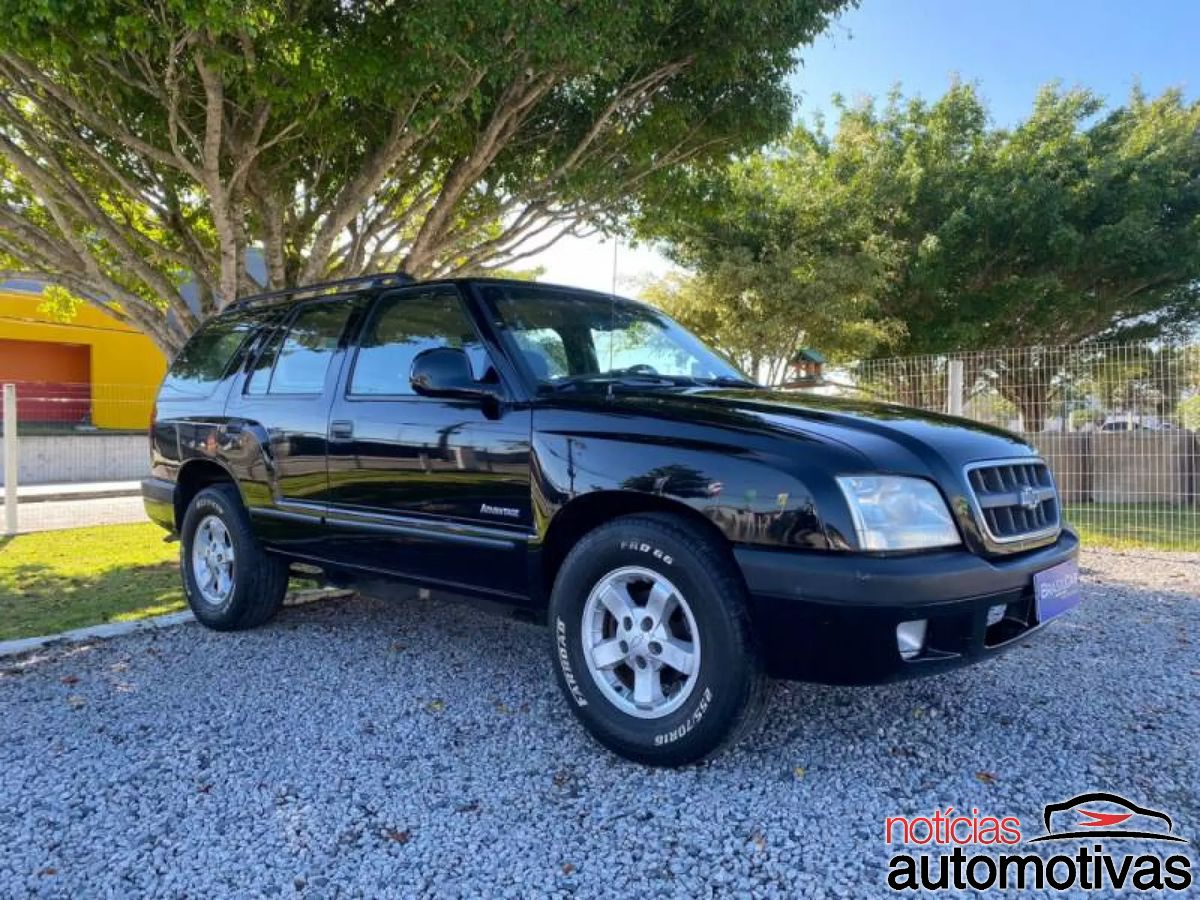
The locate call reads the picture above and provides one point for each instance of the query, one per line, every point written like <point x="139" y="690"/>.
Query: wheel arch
<point x="194" y="476"/>
<point x="590" y="511"/>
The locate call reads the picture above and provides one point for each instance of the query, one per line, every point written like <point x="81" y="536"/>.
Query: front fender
<point x="749" y="499"/>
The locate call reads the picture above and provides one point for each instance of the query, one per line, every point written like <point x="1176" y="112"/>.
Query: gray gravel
<point x="403" y="747"/>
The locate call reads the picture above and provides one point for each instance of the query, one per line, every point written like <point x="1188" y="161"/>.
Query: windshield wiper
<point x="621" y="376"/>
<point x="633" y="377"/>
<point x="727" y="381"/>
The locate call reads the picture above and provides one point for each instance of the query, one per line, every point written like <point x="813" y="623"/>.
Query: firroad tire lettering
<point x="568" y="675"/>
<point x="693" y="720"/>
<point x="206" y="503"/>
<point x="643" y="547"/>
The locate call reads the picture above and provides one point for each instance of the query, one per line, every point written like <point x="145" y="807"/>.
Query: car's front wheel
<point x="653" y="645"/>
<point x="230" y="582"/>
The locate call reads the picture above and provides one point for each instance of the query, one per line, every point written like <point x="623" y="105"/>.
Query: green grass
<point x="1132" y="526"/>
<point x="57" y="580"/>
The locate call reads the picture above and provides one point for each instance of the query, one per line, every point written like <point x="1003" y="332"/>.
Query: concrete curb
<point x="88" y="490"/>
<point x="61" y="496"/>
<point x="117" y="629"/>
<point x="94" y="632"/>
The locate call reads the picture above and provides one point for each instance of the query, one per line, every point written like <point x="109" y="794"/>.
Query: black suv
<point x="688" y="532"/>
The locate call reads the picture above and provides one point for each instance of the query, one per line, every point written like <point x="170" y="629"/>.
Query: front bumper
<point x="832" y="617"/>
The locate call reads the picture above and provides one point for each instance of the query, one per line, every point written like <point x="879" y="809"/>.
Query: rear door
<point x="431" y="488"/>
<point x="278" y="418"/>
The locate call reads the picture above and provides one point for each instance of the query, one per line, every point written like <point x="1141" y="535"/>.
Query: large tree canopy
<point x="943" y="233"/>
<point x="146" y="143"/>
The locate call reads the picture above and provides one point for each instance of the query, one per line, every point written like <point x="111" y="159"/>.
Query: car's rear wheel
<point x="230" y="582"/>
<point x="654" y="648"/>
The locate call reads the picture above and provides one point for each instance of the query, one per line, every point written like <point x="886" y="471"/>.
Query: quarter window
<point x="405" y="324"/>
<point x="205" y="359"/>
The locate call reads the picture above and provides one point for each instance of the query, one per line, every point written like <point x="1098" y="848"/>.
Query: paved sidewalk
<point x="35" y="493"/>
<point x="50" y="507"/>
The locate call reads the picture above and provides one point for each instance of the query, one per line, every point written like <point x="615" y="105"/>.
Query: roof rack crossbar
<point x="363" y="282"/>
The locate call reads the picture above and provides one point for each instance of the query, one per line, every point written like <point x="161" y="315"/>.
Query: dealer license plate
<point x="1056" y="590"/>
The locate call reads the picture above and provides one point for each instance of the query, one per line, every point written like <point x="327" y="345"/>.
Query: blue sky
<point x="1008" y="47"/>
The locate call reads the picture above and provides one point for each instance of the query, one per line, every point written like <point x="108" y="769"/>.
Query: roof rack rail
<point x="361" y="282"/>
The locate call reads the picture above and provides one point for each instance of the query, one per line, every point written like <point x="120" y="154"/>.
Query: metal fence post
<point x="954" y="388"/>
<point x="10" y="459"/>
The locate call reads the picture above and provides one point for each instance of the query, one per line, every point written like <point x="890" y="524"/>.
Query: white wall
<point x="49" y="459"/>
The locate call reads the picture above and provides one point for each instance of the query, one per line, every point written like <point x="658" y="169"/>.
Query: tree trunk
<point x="1031" y="397"/>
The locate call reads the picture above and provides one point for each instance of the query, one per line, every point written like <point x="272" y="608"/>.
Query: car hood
<point x="892" y="438"/>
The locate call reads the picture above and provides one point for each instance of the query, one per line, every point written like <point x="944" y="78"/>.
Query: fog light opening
<point x="910" y="638"/>
<point x="996" y="613"/>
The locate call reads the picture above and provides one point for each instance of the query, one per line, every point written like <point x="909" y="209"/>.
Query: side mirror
<point x="446" y="372"/>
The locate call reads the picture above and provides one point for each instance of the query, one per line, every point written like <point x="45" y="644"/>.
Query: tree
<point x="1074" y="226"/>
<point x="778" y="263"/>
<point x="1077" y="224"/>
<point x="146" y="144"/>
<point x="1189" y="413"/>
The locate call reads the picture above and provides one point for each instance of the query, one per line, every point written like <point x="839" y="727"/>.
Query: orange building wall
<point x="45" y="361"/>
<point x="125" y="367"/>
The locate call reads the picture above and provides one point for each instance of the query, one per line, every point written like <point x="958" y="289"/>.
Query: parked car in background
<point x="1131" y="422"/>
<point x="687" y="532"/>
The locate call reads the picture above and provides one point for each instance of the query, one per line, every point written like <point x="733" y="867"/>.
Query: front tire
<point x="230" y="582"/>
<point x="652" y="641"/>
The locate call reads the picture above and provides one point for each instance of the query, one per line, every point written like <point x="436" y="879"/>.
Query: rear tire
<point x="653" y="646"/>
<point x="230" y="582"/>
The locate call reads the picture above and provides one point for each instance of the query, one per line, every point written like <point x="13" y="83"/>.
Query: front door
<point x="434" y="489"/>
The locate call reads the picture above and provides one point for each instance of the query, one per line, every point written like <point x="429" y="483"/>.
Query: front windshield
<point x="568" y="336"/>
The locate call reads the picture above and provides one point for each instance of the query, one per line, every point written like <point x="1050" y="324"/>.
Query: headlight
<point x="894" y="513"/>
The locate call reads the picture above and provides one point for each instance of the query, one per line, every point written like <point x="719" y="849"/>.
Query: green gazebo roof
<point x="807" y="354"/>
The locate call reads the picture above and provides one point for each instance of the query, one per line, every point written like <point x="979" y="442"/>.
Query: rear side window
<point x="406" y="324"/>
<point x="297" y="359"/>
<point x="205" y="359"/>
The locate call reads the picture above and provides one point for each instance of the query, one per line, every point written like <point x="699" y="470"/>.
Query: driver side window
<point x="404" y="324"/>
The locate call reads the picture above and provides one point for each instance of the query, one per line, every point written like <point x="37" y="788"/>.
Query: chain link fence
<point x="1119" y="425"/>
<point x="74" y="454"/>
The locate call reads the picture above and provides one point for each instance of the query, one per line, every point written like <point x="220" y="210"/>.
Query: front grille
<point x="1016" y="500"/>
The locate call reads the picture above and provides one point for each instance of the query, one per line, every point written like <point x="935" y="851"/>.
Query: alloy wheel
<point x="641" y="642"/>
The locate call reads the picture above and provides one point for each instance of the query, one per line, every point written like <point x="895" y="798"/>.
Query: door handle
<point x="341" y="430"/>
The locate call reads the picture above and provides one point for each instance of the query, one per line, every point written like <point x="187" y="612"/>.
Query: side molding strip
<point x="417" y="531"/>
<point x="410" y="528"/>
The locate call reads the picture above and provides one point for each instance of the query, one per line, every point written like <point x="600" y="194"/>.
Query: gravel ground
<point x="405" y="747"/>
